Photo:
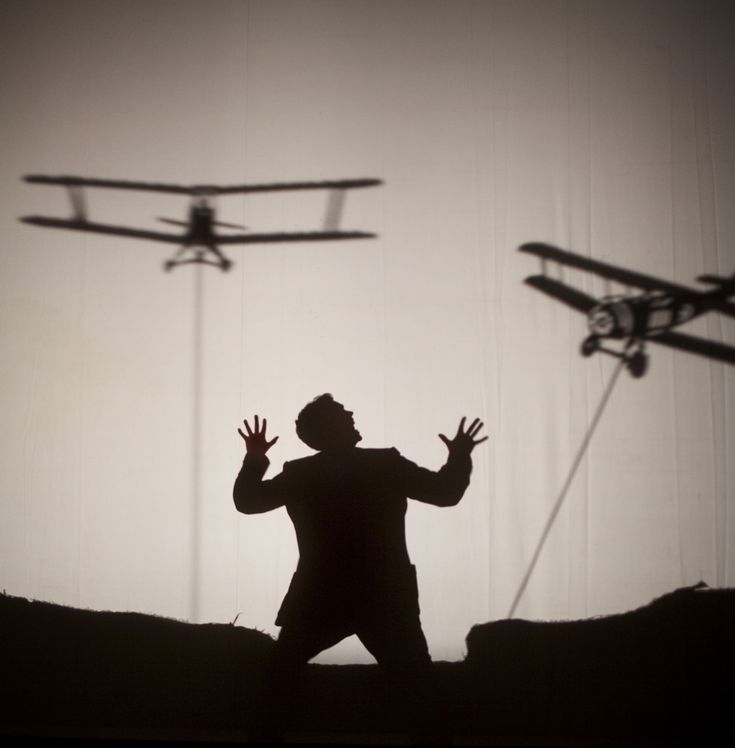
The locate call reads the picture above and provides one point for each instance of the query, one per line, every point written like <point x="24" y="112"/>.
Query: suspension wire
<point x="246" y="93"/>
<point x="567" y="484"/>
<point x="196" y="445"/>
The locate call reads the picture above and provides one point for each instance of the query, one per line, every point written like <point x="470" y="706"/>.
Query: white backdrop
<point x="604" y="127"/>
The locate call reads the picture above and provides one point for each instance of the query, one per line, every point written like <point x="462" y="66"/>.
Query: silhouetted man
<point x="348" y="507"/>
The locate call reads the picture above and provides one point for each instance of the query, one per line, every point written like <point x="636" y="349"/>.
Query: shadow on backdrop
<point x="637" y="319"/>
<point x="634" y="319"/>
<point x="199" y="242"/>
<point x="354" y="575"/>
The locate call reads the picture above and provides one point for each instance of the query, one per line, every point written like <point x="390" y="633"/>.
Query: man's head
<point x="325" y="424"/>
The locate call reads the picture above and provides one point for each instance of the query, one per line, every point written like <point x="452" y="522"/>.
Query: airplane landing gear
<point x="201" y="256"/>
<point x="633" y="355"/>
<point x="590" y="345"/>
<point x="637" y="364"/>
<point x="635" y="359"/>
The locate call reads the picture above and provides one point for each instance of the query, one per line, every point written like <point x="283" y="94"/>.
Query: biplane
<point x="637" y="318"/>
<point x="200" y="241"/>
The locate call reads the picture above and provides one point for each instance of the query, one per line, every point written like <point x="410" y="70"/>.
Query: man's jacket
<point x="348" y="508"/>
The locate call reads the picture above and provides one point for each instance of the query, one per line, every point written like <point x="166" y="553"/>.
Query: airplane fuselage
<point x="641" y="316"/>
<point x="201" y="226"/>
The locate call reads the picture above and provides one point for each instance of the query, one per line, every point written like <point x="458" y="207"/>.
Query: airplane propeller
<point x="230" y="225"/>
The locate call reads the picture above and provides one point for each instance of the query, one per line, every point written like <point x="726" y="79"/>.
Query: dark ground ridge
<point x="662" y="674"/>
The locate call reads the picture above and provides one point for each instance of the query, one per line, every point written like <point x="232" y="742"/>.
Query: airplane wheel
<point x="638" y="364"/>
<point x="589" y="346"/>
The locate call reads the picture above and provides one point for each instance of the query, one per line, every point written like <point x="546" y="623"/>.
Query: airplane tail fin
<point x="724" y="289"/>
<point x="725" y="283"/>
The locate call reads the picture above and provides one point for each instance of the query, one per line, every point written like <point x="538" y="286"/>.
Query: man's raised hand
<point x="464" y="441"/>
<point x="255" y="440"/>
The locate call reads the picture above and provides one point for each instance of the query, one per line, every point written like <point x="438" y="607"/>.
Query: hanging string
<point x="567" y="483"/>
<point x="243" y="305"/>
<point x="196" y="444"/>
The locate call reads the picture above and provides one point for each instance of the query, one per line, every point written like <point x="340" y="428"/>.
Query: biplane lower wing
<point x="103" y="228"/>
<point x="611" y="272"/>
<point x="558" y="290"/>
<point x="691" y="344"/>
<point x="159" y="236"/>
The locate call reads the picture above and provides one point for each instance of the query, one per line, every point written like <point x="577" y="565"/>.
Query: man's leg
<point x="398" y="644"/>
<point x="295" y="646"/>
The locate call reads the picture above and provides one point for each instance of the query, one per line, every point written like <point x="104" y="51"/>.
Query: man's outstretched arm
<point x="251" y="493"/>
<point x="446" y="486"/>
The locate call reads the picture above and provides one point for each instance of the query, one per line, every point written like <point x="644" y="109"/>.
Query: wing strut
<point x="78" y="203"/>
<point x="335" y="206"/>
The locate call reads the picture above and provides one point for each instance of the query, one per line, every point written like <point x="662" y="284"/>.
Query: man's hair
<point x="310" y="422"/>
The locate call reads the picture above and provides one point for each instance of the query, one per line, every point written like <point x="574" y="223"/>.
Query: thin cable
<point x="565" y="488"/>
<point x="196" y="445"/>
<point x="235" y="524"/>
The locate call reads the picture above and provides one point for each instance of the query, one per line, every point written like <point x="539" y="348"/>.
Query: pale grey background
<point x="603" y="127"/>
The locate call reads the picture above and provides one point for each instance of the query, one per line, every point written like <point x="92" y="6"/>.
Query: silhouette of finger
<point x="265" y="425"/>
<point x="444" y="439"/>
<point x="480" y="441"/>
<point x="271" y="442"/>
<point x="247" y="428"/>
<point x="239" y="431"/>
<point x="257" y="425"/>
<point x="460" y="428"/>
<point x="471" y="431"/>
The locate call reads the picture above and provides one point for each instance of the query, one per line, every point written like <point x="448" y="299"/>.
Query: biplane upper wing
<point x="102" y="228"/>
<point x="303" y="236"/>
<point x="334" y="184"/>
<point x="200" y="189"/>
<point x="691" y="344"/>
<point x="611" y="272"/>
<point x="117" y="184"/>
<point x="558" y="290"/>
